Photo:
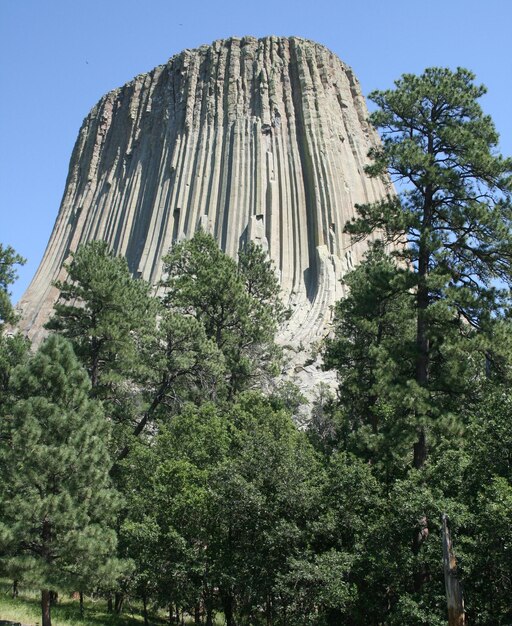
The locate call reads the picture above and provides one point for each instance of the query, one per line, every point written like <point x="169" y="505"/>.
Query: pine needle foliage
<point x="451" y="222"/>
<point x="57" y="502"/>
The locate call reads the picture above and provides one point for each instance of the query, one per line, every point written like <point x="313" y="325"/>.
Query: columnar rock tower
<point x="249" y="139"/>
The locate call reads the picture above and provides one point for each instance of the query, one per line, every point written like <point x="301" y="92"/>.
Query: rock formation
<point x="250" y="139"/>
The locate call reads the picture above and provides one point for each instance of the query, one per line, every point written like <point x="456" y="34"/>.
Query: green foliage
<point x="182" y="363"/>
<point x="438" y="141"/>
<point x="421" y="345"/>
<point x="13" y="347"/>
<point x="225" y="495"/>
<point x="373" y="350"/>
<point x="228" y="507"/>
<point x="13" y="352"/>
<point x="273" y="490"/>
<point x="456" y="207"/>
<point x="8" y="259"/>
<point x="237" y="304"/>
<point x="328" y="575"/>
<point x="316" y="590"/>
<point x="104" y="312"/>
<point x="142" y="358"/>
<point x="486" y="489"/>
<point x="450" y="224"/>
<point x="110" y="318"/>
<point x="57" y="503"/>
<point x="169" y="501"/>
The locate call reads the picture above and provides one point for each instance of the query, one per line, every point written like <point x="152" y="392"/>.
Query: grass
<point x="27" y="610"/>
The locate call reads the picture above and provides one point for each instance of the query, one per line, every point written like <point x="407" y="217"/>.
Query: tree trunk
<point x="95" y="364"/>
<point x="164" y="384"/>
<point x="454" y="598"/>
<point x="268" y="610"/>
<point x="227" y="605"/>
<point x="421" y="532"/>
<point x="81" y="603"/>
<point x="422" y="304"/>
<point x="46" y="594"/>
<point x="46" y="608"/>
<point x="420" y="448"/>
<point x="209" y="614"/>
<point x="110" y="607"/>
<point x="118" y="602"/>
<point x="145" y="609"/>
<point x="422" y="347"/>
<point x="14" y="588"/>
<point x="208" y="603"/>
<point x="197" y="614"/>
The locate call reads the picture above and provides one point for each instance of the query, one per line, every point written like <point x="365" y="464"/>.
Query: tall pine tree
<point x="451" y="221"/>
<point x="58" y="505"/>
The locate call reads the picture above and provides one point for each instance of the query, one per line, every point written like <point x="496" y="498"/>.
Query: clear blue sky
<point x="58" y="57"/>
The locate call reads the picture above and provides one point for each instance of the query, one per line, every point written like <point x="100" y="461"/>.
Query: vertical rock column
<point x="262" y="140"/>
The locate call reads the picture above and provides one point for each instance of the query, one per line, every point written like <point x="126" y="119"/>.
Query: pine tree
<point x="142" y="358"/>
<point x="427" y="329"/>
<point x="8" y="259"/>
<point x="372" y="348"/>
<point x="13" y="346"/>
<point x="486" y="489"/>
<point x="451" y="221"/>
<point x="108" y="316"/>
<point x="58" y="505"/>
<point x="237" y="304"/>
<point x="182" y="364"/>
<point x="104" y="312"/>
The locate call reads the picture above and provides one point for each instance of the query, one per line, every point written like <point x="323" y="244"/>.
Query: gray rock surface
<point x="262" y="140"/>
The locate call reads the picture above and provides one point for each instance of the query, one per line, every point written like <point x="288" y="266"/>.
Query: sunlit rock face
<point x="249" y="139"/>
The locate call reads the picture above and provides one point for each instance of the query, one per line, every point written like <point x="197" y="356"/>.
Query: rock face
<point x="261" y="140"/>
